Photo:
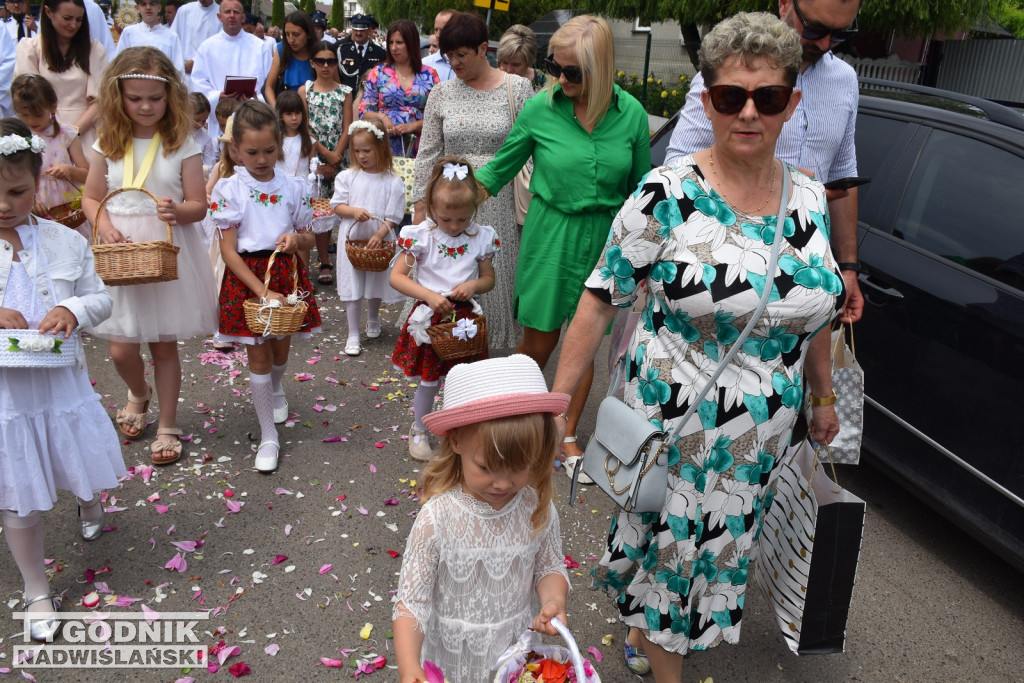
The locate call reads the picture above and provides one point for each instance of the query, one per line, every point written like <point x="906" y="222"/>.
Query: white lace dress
<point x="468" y="578"/>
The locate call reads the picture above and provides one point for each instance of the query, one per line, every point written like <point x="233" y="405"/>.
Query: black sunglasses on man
<point x="817" y="31"/>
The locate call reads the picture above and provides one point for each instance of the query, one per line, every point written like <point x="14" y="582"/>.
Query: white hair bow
<point x="453" y="171"/>
<point x="465" y="329"/>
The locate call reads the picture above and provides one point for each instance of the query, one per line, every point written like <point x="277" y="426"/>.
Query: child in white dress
<point x="453" y="257"/>
<point x="298" y="147"/>
<point x="146" y="125"/>
<point x="484" y="558"/>
<point x="258" y="211"/>
<point x="54" y="433"/>
<point x="370" y="200"/>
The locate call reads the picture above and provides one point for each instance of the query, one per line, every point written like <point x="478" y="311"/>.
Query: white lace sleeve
<point x="419" y="570"/>
<point x="550" y="559"/>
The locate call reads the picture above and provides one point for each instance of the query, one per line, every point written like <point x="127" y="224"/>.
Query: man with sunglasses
<point x="819" y="137"/>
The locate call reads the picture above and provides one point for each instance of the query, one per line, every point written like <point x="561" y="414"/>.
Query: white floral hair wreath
<point x="366" y="125"/>
<point x="13" y="143"/>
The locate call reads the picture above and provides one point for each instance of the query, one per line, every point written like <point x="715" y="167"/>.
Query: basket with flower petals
<point x="529" y="661"/>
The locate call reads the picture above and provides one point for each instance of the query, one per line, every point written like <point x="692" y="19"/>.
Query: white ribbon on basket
<point x="266" y="309"/>
<point x="465" y="329"/>
<point x="418" y="323"/>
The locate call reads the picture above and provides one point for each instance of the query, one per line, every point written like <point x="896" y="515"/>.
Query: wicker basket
<point x="321" y="206"/>
<point x="265" y="320"/>
<point x="65" y="214"/>
<point x="57" y="352"/>
<point x="134" y="263"/>
<point x="363" y="258"/>
<point x="449" y="347"/>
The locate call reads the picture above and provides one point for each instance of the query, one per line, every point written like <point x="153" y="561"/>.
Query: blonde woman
<point x="517" y="55"/>
<point x="590" y="144"/>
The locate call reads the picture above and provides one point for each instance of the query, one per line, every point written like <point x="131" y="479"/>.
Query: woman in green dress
<point x="590" y="144"/>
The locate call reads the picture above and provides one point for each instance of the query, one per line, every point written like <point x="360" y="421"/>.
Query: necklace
<point x="771" y="184"/>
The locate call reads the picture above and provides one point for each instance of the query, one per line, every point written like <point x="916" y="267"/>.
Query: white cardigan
<point x="76" y="286"/>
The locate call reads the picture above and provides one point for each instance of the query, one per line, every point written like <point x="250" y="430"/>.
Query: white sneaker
<point x="419" y="445"/>
<point x="281" y="414"/>
<point x="266" y="458"/>
<point x="570" y="465"/>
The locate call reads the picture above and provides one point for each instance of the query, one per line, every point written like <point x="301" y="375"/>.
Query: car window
<point x="877" y="138"/>
<point x="964" y="202"/>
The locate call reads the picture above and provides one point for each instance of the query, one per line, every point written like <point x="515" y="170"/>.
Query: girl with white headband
<point x="453" y="257"/>
<point x="145" y="141"/>
<point x="370" y="199"/>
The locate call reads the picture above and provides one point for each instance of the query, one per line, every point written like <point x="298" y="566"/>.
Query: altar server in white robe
<point x="193" y="24"/>
<point x="150" y="32"/>
<point x="232" y="52"/>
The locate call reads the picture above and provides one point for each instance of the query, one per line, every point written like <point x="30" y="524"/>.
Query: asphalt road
<point x="306" y="562"/>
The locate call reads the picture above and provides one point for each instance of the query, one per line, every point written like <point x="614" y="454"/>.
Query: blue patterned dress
<point x="681" y="575"/>
<point x="383" y="92"/>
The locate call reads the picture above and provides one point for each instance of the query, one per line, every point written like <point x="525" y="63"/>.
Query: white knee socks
<point x="262" y="399"/>
<point x="353" y="313"/>
<point x="277" y="391"/>
<point x="373" y="311"/>
<point x="25" y="539"/>
<point x="423" y="403"/>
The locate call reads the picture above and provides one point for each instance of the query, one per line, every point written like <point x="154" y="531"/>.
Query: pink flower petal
<point x="228" y="652"/>
<point x="232" y="506"/>
<point x="160" y="509"/>
<point x="595" y="653"/>
<point x="151" y="615"/>
<point x="287" y="529"/>
<point x="176" y="563"/>
<point x="332" y="663"/>
<point x="325" y="568"/>
<point x="363" y="511"/>
<point x="282" y="492"/>
<point x="379" y="444"/>
<point x="433" y="671"/>
<point x="185" y="546"/>
<point x="373" y="468"/>
<point x="240" y="669"/>
<point x="272" y="649"/>
<point x="278" y="559"/>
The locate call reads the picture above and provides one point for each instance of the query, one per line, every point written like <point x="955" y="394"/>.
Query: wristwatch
<point x="850" y="265"/>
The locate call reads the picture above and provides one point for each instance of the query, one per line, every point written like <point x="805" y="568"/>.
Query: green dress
<point x="579" y="182"/>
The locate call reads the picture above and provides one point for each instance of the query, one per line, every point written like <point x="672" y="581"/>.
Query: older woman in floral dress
<point x="699" y="233"/>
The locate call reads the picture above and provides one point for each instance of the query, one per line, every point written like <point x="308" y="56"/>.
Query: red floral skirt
<point x="421" y="361"/>
<point x="234" y="293"/>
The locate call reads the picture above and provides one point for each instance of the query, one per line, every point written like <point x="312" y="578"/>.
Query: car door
<point x="942" y="340"/>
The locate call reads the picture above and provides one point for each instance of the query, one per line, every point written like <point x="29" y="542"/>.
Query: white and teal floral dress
<point x="681" y="575"/>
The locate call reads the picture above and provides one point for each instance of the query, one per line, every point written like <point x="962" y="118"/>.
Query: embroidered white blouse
<point x="262" y="211"/>
<point x="445" y="262"/>
<point x="469" y="574"/>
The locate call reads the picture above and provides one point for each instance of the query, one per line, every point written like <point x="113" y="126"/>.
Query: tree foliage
<point x="277" y="13"/>
<point x="338" y="15"/>
<point x="1010" y="14"/>
<point x="422" y="12"/>
<point x="906" y="17"/>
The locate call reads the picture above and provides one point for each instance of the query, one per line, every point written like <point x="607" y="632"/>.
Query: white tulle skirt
<point x="54" y="434"/>
<point x="165" y="311"/>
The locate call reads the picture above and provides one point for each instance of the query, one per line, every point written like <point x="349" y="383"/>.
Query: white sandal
<point x="574" y="461"/>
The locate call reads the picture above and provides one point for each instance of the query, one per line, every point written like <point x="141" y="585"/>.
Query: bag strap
<point x="131" y="180"/>
<point x="754" y="318"/>
<point x="511" y="102"/>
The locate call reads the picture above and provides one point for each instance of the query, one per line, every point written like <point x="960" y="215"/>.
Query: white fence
<point x="890" y="69"/>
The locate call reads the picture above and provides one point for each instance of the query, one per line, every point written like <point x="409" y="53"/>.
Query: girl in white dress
<point x="258" y="211"/>
<point x="147" y="124"/>
<point x="54" y="434"/>
<point x="370" y="199"/>
<point x="484" y="558"/>
<point x="453" y="256"/>
<point x="298" y="147"/>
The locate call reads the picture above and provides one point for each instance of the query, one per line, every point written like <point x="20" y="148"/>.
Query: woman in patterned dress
<point x="698" y="233"/>
<point x="395" y="92"/>
<point x="329" y="107"/>
<point x="469" y="116"/>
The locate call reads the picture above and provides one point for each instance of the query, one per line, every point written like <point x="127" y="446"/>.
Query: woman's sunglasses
<point x="769" y="99"/>
<point x="325" y="61"/>
<point x="573" y="74"/>
<point x="817" y="32"/>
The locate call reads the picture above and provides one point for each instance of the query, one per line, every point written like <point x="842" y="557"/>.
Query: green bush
<point x="665" y="96"/>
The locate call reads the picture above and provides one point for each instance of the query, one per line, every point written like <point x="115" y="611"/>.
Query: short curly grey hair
<point x="751" y="36"/>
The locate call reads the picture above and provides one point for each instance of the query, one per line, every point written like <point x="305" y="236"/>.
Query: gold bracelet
<point x="827" y="401"/>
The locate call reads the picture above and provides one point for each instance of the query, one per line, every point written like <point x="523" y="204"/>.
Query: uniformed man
<point x="360" y="54"/>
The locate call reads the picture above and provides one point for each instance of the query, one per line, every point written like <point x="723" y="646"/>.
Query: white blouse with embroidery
<point x="468" y="578"/>
<point x="262" y="211"/>
<point x="445" y="262"/>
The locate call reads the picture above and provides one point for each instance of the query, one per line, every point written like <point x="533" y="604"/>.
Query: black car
<point x="941" y="233"/>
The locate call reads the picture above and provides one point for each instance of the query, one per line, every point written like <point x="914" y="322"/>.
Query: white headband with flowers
<point x="14" y="143"/>
<point x="366" y="125"/>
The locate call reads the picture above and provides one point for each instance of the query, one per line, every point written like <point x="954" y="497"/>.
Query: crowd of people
<point x="257" y="151"/>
